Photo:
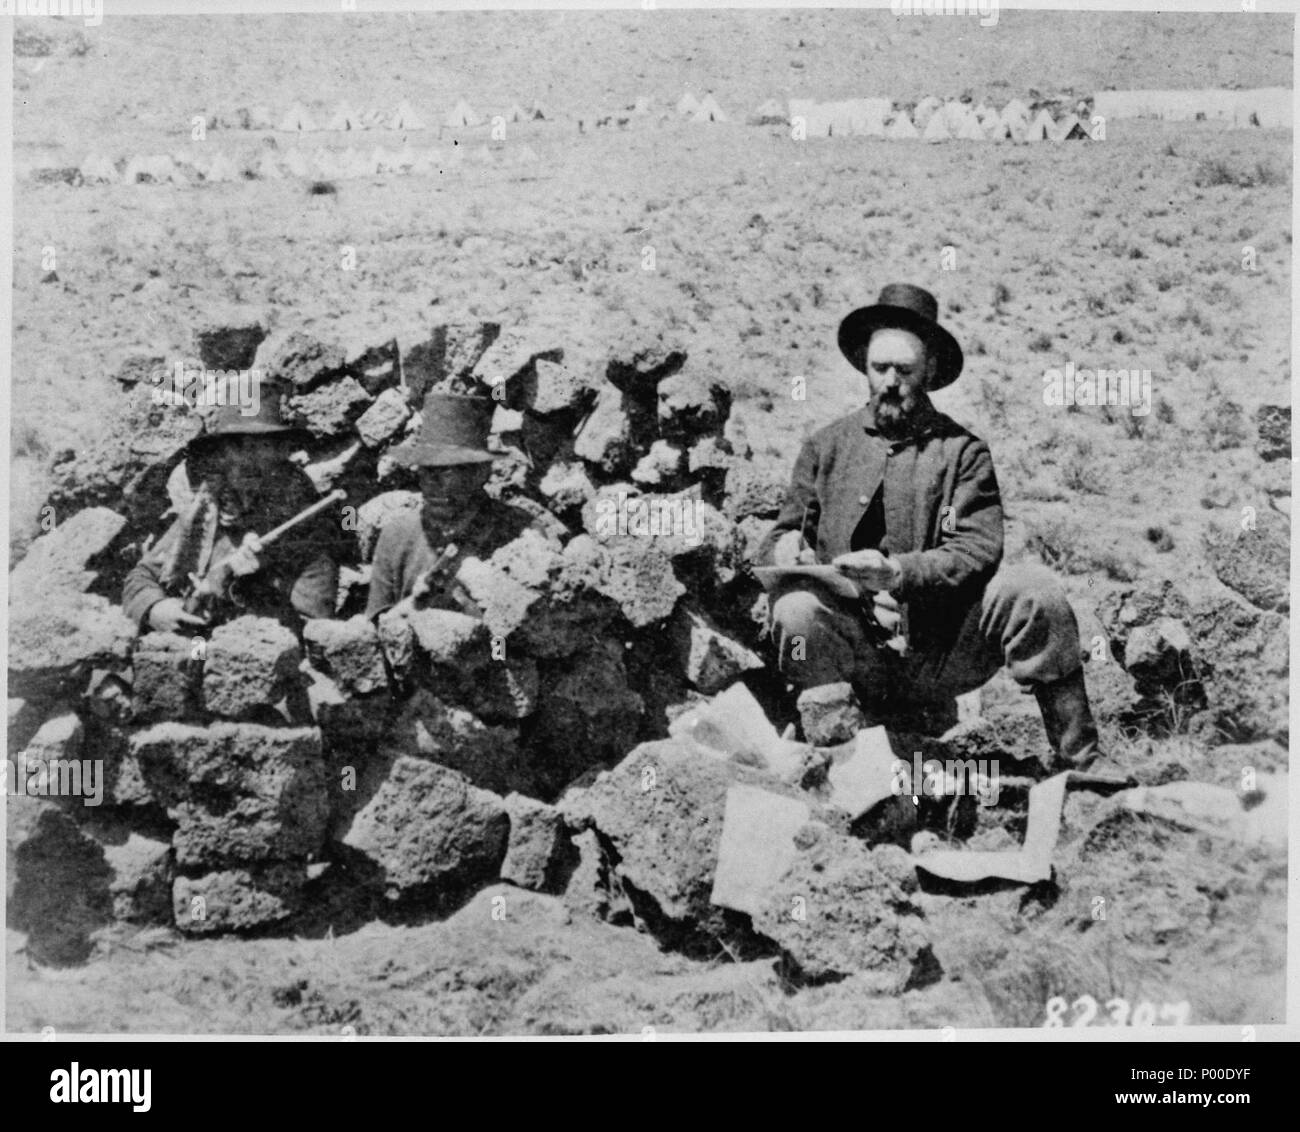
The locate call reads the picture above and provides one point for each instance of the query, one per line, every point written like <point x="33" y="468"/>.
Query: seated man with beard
<point x="246" y="487"/>
<point x="903" y="501"/>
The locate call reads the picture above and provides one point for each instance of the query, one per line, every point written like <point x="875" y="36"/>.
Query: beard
<point x="896" y="412"/>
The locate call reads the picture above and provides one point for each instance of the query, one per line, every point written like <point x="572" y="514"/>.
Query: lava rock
<point x="250" y="663"/>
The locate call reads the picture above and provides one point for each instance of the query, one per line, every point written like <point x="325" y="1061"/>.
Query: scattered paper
<point x="757" y="846"/>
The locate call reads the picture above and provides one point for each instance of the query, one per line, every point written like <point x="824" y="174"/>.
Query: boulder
<point x="374" y="514"/>
<point x="237" y="899"/>
<point x="509" y="357"/>
<point x="239" y="792"/>
<point x="607" y="439"/>
<point x="384" y="419"/>
<point x="661" y="813"/>
<point x="430" y="728"/>
<point x="55" y="644"/>
<point x="299" y="360"/>
<point x="59" y="737"/>
<point x="228" y="343"/>
<point x="56" y="885"/>
<point x="845" y="909"/>
<point x="61" y="558"/>
<point x="710" y="454"/>
<point x="566" y="487"/>
<point x="349" y="652"/>
<point x="830" y="714"/>
<point x="1158" y="656"/>
<point x="250" y="663"/>
<point x="710" y="659"/>
<point x="141" y="882"/>
<point x="1255" y="563"/>
<point x="505" y="603"/>
<point x="427" y="829"/>
<point x="330" y="410"/>
<point x="661" y="465"/>
<point x="423" y="360"/>
<point x="553" y="387"/>
<point x="376" y="367"/>
<point x="751" y="490"/>
<point x="536" y="849"/>
<point x="449" y="638"/>
<point x="690" y="409"/>
<point x="167" y="676"/>
<point x="503" y="691"/>
<point x="634" y="574"/>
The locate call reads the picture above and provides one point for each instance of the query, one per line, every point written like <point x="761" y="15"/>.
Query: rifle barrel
<point x="302" y="516"/>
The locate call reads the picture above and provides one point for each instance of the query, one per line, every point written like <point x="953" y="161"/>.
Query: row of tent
<point x="1265" y="106"/>
<point x="931" y="120"/>
<point x="269" y="165"/>
<point x="345" y="118"/>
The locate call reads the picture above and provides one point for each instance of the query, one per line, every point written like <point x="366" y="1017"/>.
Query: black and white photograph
<point x="650" y="522"/>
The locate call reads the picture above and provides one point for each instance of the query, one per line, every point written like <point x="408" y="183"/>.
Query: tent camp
<point x="770" y="113"/>
<point x="260" y="118"/>
<point x="936" y="129"/>
<point x="158" y="169"/>
<point x="867" y="116"/>
<point x="344" y="118"/>
<point x="461" y="115"/>
<point x="515" y="113"/>
<point x="687" y="104"/>
<point x="971" y="130"/>
<point x="996" y="129"/>
<point x="404" y="159"/>
<point x="901" y="128"/>
<point x="1042" y="128"/>
<point x="98" y="170"/>
<point x="381" y="161"/>
<point x="296" y="120"/>
<point x="709" y="111"/>
<point x="642" y="107"/>
<point x="481" y="156"/>
<point x="537" y="112"/>
<point x="955" y="115"/>
<point x="404" y="117"/>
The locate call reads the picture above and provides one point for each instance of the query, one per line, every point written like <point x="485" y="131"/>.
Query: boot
<point x="1067" y="718"/>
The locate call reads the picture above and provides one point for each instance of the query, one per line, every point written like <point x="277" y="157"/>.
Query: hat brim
<point x="207" y="441"/>
<point x="416" y="455"/>
<point x="857" y="328"/>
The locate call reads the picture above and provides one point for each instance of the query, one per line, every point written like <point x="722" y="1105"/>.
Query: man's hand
<point x="245" y="560"/>
<point x="790" y="551"/>
<point x="870" y="569"/>
<point x="169" y="616"/>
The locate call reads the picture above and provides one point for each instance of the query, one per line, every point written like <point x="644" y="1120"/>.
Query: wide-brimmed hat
<point x="235" y="417"/>
<point x="903" y="306"/>
<point x="454" y="430"/>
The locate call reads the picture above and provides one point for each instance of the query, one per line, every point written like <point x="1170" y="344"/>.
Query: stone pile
<point x="419" y="757"/>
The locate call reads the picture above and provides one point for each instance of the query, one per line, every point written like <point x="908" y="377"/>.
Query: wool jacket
<point x="299" y="575"/>
<point x="941" y="506"/>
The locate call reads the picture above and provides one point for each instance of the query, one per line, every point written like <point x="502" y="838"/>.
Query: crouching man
<point x="419" y="553"/>
<point x="210" y="565"/>
<point x="903" y="503"/>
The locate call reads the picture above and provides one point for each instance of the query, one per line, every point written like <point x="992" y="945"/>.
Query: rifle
<point x="214" y="585"/>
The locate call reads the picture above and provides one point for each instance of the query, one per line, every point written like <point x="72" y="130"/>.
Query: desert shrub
<point x="322" y="189"/>
<point x="28" y="440"/>
<point x="1065" y="545"/>
<point x="1161" y="539"/>
<point x="1213" y="171"/>
<point x="1041" y="342"/>
<point x="1164" y="411"/>
<point x="1218" y="171"/>
<point x="1001" y="296"/>
<point x="1223" y="424"/>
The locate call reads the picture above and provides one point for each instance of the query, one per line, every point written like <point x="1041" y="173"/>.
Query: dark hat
<point x="453" y="430"/>
<point x="903" y="306"/>
<point x="233" y="418"/>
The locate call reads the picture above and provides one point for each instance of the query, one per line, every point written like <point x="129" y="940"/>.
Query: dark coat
<point x="942" y="511"/>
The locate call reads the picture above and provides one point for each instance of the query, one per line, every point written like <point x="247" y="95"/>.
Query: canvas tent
<point x="926" y="107"/>
<point x="1015" y="109"/>
<point x="770" y="113"/>
<point x="259" y="118"/>
<point x="221" y="169"/>
<point x="461" y="115"/>
<point x="537" y="112"/>
<point x="268" y="167"/>
<point x="971" y="130"/>
<point x="344" y="118"/>
<point x="98" y="170"/>
<point x="404" y="117"/>
<point x="901" y="128"/>
<point x="1070" y="128"/>
<point x="936" y="129"/>
<point x="1042" y="128"/>
<point x="709" y="111"/>
<point x="687" y="104"/>
<point x="296" y="119"/>
<point x="515" y="114"/>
